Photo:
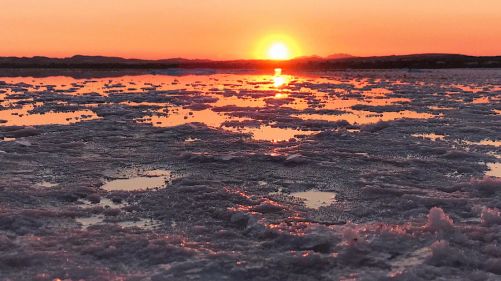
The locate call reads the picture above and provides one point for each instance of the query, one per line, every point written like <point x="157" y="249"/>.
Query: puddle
<point x="315" y="199"/>
<point x="213" y="119"/>
<point x="92" y="220"/>
<point x="441" y="108"/>
<point x="22" y="117"/>
<point x="494" y="170"/>
<point x="430" y="136"/>
<point x="144" y="181"/>
<point x="104" y="202"/>
<point x="181" y="116"/>
<point x="482" y="100"/>
<point x="47" y="184"/>
<point x="272" y="134"/>
<point x="147" y="224"/>
<point x="192" y="140"/>
<point x="485" y="142"/>
<point x="495" y="143"/>
<point x="468" y="88"/>
<point x="365" y="117"/>
<point x="135" y="184"/>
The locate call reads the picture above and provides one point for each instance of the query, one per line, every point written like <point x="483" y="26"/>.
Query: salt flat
<point x="210" y="164"/>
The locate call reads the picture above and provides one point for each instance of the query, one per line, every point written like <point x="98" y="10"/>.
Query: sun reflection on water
<point x="279" y="80"/>
<point x="272" y="106"/>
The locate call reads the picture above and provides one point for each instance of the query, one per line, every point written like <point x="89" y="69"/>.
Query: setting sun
<point x="250" y="140"/>
<point x="278" y="51"/>
<point x="277" y="47"/>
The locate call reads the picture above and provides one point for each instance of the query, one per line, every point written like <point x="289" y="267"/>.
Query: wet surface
<point x="487" y="142"/>
<point x="315" y="199"/>
<point x="494" y="170"/>
<point x="145" y="180"/>
<point x="430" y="136"/>
<point x="250" y="104"/>
<point x="47" y="184"/>
<point x="232" y="176"/>
<point x="23" y="117"/>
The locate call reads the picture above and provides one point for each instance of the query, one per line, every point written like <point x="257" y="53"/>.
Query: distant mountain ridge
<point x="82" y="59"/>
<point x="332" y="57"/>
<point x="335" y="61"/>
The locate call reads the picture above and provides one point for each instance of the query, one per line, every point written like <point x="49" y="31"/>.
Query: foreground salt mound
<point x="445" y="255"/>
<point x="487" y="186"/>
<point x="351" y="236"/>
<point x="223" y="220"/>
<point x="490" y="216"/>
<point x="438" y="220"/>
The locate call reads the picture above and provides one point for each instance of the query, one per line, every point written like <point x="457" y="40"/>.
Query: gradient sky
<point x="229" y="29"/>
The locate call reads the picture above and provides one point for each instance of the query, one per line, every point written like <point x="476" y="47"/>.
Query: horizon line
<point x="244" y="59"/>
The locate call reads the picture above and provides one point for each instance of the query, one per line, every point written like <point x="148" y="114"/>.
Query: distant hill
<point x="339" y="56"/>
<point x="335" y="61"/>
<point x="320" y="58"/>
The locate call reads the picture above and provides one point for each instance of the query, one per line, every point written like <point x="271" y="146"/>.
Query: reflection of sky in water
<point x="143" y="181"/>
<point x="180" y="116"/>
<point x="268" y="133"/>
<point x="430" y="136"/>
<point x="315" y="199"/>
<point x="22" y="117"/>
<point x="365" y="117"/>
<point x="487" y="142"/>
<point x="249" y="94"/>
<point x="494" y="170"/>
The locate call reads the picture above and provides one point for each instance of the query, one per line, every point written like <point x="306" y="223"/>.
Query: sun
<point x="279" y="51"/>
<point x="277" y="47"/>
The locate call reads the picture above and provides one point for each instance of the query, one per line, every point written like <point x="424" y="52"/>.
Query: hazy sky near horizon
<point x="229" y="29"/>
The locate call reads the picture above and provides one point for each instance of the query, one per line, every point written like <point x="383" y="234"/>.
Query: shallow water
<point x="315" y="199"/>
<point x="145" y="180"/>
<point x="103" y="202"/>
<point x="496" y="143"/>
<point x="90" y="221"/>
<point x="431" y="136"/>
<point x="47" y="184"/>
<point x="146" y="224"/>
<point x="494" y="170"/>
<point x="23" y="117"/>
<point x="360" y="158"/>
<point x="234" y="102"/>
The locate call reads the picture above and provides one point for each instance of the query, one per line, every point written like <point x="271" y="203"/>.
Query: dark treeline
<point x="424" y="61"/>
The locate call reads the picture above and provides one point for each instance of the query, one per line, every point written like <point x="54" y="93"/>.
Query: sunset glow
<point x="278" y="51"/>
<point x="250" y="140"/>
<point x="277" y="47"/>
<point x="219" y="29"/>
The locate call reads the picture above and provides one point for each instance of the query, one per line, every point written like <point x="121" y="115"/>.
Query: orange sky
<point x="228" y="29"/>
